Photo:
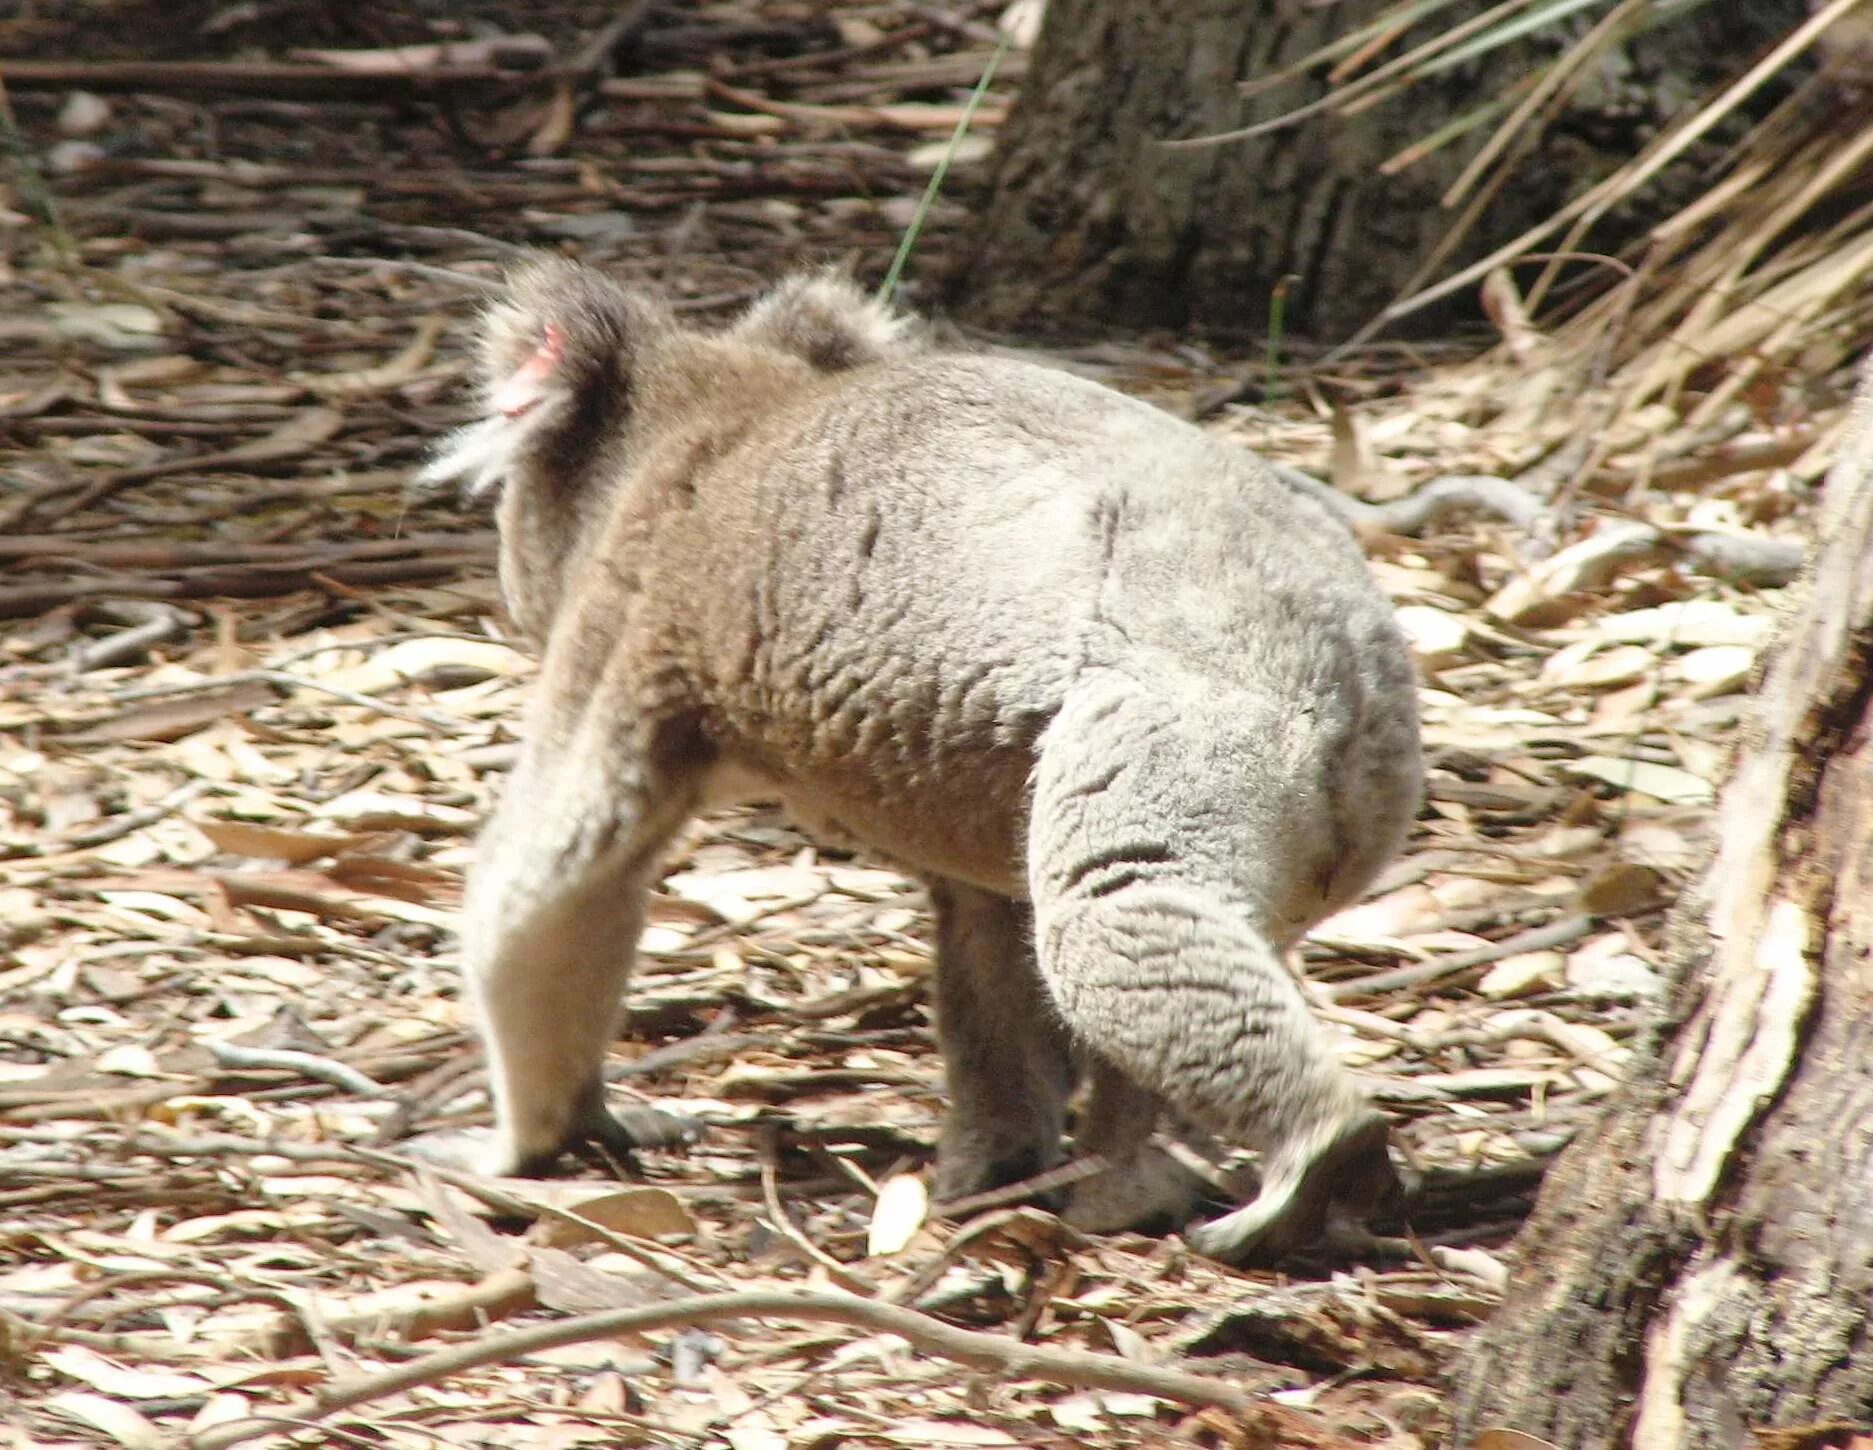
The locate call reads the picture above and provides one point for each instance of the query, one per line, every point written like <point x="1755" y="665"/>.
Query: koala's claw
<point x="620" y="1135"/>
<point x="635" y="1128"/>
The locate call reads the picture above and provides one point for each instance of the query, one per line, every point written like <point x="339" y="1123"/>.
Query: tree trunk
<point x="1092" y="222"/>
<point x="1702" y="1266"/>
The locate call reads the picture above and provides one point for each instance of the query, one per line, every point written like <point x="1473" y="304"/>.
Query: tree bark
<point x="1702" y="1266"/>
<point x="1093" y="223"/>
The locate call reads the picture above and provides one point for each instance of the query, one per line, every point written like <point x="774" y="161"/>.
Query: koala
<point x="1128" y="702"/>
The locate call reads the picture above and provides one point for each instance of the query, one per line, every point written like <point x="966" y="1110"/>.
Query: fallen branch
<point x="1559" y="933"/>
<point x="150" y="625"/>
<point x="306" y="1064"/>
<point x="1750" y="558"/>
<point x="1010" y="1358"/>
<point x="115" y="828"/>
<point x="914" y="116"/>
<point x="1424" y="506"/>
<point x="273" y="80"/>
<point x="148" y="553"/>
<point x="236" y="583"/>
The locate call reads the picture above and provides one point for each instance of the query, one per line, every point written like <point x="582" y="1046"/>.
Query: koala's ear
<point x="825" y="319"/>
<point x="557" y="357"/>
<point x="561" y="328"/>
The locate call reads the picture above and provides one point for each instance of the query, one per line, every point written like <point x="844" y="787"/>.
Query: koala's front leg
<point x="1004" y="1052"/>
<point x="554" y="907"/>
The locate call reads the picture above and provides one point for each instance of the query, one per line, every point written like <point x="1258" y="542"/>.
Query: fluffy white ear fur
<point x="482" y="454"/>
<point x="479" y="456"/>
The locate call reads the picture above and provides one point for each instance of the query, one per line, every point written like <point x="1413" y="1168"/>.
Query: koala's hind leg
<point x="1005" y="1055"/>
<point x="1150" y="870"/>
<point x="1141" y="1184"/>
<point x="554" y="907"/>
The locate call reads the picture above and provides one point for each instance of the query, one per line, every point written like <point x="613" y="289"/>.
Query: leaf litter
<point x="254" y="702"/>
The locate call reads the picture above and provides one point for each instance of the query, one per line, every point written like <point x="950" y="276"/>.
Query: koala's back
<point x="908" y="569"/>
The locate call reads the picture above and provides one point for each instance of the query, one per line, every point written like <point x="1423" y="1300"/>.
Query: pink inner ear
<point x="526" y="385"/>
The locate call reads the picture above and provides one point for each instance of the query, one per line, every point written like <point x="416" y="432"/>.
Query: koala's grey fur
<point x="1132" y="705"/>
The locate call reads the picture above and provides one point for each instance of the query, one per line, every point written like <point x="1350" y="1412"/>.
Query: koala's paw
<point x="1149" y="1190"/>
<point x="970" y="1164"/>
<point x="619" y="1134"/>
<point x="1353" y="1171"/>
<point x="507" y="1152"/>
<point x="634" y="1128"/>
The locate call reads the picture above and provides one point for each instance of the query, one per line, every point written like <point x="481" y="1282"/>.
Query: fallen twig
<point x="841" y="1274"/>
<point x="161" y="553"/>
<point x="235" y="582"/>
<point x="150" y="624"/>
<point x="115" y="828"/>
<point x="306" y="1064"/>
<point x="273" y="79"/>
<point x="1540" y="938"/>
<point x="490" y="1192"/>
<point x="1008" y="1357"/>
<point x="1753" y="558"/>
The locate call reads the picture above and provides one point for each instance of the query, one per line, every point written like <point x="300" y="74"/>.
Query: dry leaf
<point x="111" y="1417"/>
<point x="484" y="1248"/>
<point x="162" y="720"/>
<point x="1716" y="669"/>
<point x="1621" y="888"/>
<point x="639" y="1213"/>
<point x="1509" y="1440"/>
<point x="1590" y="666"/>
<point x="1545" y="592"/>
<point x="301" y="433"/>
<point x="1081" y="1413"/>
<point x="272" y="843"/>
<point x="903" y="1205"/>
<point x="120" y="326"/>
<point x="1662" y="782"/>
<point x="1606" y="968"/>
<point x="1687" y="625"/>
<point x="574" y="1287"/>
<point x="1438" y="637"/>
<point x="1355" y="467"/>
<point x="967" y="152"/>
<point x="1502" y="301"/>
<point x="74" y="1361"/>
<point x="220" y="1409"/>
<point x="1522" y="973"/>
<point x="436" y="663"/>
<point x="919" y="1433"/>
<point x="1479" y="1264"/>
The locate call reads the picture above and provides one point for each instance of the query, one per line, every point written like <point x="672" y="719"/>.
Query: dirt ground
<point x="255" y="699"/>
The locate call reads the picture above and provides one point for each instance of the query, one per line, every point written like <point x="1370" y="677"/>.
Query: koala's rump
<point x="904" y="575"/>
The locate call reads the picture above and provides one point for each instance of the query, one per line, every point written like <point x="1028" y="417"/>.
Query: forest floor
<point x="255" y="700"/>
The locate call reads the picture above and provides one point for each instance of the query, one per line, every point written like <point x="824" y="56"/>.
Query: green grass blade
<point x="888" y="288"/>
